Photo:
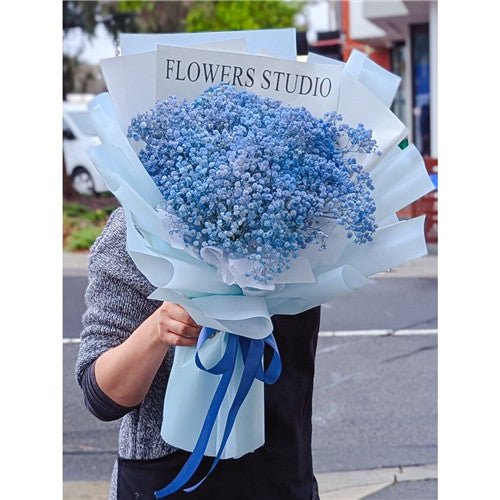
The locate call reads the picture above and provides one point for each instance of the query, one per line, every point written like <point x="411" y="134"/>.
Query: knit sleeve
<point x="116" y="296"/>
<point x="97" y="402"/>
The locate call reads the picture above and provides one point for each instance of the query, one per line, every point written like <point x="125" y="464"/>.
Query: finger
<point x="178" y="340"/>
<point x="178" y="313"/>
<point x="168" y="325"/>
<point x="184" y="330"/>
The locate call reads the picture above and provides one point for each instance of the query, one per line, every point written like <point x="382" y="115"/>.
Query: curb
<point x="355" y="485"/>
<point x="75" y="263"/>
<point x="85" y="490"/>
<point x="349" y="485"/>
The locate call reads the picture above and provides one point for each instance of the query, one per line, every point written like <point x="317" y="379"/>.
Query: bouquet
<point x="252" y="185"/>
<point x="247" y="180"/>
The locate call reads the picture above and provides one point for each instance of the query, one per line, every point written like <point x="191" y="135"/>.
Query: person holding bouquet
<point x="123" y="366"/>
<point x="243" y="210"/>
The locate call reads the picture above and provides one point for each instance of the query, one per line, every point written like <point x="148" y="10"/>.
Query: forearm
<point x="125" y="373"/>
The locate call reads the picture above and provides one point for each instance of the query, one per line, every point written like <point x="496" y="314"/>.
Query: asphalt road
<point x="390" y="303"/>
<point x="375" y="402"/>
<point x="375" y="399"/>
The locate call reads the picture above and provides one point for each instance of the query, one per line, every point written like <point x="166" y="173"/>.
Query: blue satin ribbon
<point x="252" y="351"/>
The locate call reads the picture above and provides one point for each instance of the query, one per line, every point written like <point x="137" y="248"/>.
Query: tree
<point x="86" y="16"/>
<point x="162" y="17"/>
<point x="124" y="16"/>
<point x="242" y="15"/>
<point x="117" y="17"/>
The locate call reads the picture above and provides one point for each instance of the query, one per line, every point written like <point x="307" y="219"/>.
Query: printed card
<point x="187" y="72"/>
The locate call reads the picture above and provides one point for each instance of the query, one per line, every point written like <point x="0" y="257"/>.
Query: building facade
<point x="402" y="37"/>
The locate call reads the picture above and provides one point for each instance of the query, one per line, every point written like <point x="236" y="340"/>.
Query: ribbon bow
<point x="252" y="351"/>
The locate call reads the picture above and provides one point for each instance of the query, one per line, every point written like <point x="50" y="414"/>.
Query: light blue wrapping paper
<point x="249" y="421"/>
<point x="380" y="82"/>
<point x="399" y="178"/>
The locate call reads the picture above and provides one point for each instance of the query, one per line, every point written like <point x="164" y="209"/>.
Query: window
<point x="398" y="67"/>
<point x="67" y="132"/>
<point x="421" y="87"/>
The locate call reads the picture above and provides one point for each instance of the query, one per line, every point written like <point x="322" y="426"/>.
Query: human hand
<point x="175" y="326"/>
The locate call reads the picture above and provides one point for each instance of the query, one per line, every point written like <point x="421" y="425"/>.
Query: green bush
<point x="82" y="238"/>
<point x="82" y="225"/>
<point x="98" y="216"/>
<point x="74" y="209"/>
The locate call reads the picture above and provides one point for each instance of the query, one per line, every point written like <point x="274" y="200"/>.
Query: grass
<point x="82" y="225"/>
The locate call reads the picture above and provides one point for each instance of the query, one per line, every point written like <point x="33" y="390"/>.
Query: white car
<point x="78" y="136"/>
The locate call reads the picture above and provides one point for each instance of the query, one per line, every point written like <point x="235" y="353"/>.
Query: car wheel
<point x="82" y="181"/>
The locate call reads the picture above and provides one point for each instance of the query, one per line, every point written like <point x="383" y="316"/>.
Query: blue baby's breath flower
<point x="254" y="177"/>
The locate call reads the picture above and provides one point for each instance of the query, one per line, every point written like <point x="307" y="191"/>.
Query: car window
<point x="66" y="127"/>
<point x="67" y="131"/>
<point x="83" y="122"/>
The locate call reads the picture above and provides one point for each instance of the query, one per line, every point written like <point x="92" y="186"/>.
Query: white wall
<point x="321" y="16"/>
<point x="359" y="26"/>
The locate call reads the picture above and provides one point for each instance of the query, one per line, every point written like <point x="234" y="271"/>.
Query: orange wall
<point x="382" y="57"/>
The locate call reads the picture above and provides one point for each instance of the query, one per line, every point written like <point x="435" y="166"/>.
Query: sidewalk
<point x="350" y="485"/>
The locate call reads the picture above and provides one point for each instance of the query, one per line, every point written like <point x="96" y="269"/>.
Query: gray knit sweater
<point x="116" y="300"/>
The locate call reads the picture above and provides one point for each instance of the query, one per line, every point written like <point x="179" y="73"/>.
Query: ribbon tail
<point x="252" y="363"/>
<point x="252" y="351"/>
<point x="196" y="456"/>
<point x="273" y="371"/>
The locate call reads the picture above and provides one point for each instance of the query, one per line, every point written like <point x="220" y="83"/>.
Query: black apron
<point x="279" y="470"/>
